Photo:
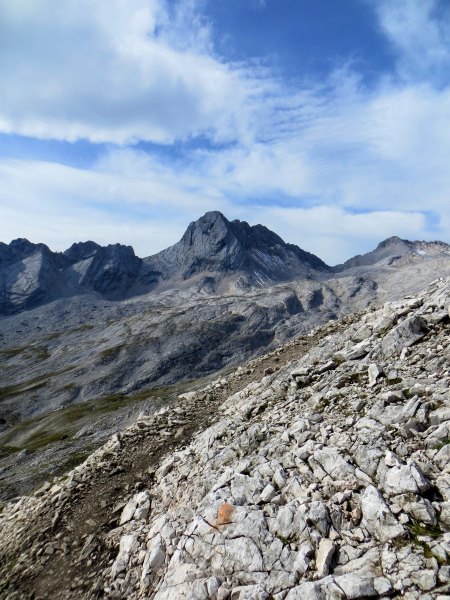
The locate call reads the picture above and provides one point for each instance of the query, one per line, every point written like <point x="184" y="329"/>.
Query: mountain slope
<point x="213" y="255"/>
<point x="328" y="477"/>
<point x="77" y="368"/>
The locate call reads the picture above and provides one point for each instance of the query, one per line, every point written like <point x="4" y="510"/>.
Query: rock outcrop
<point x="327" y="478"/>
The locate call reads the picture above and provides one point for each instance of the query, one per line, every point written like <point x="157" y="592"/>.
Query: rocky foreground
<point x="327" y="478"/>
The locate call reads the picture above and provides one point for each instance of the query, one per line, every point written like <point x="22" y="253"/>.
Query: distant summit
<point x="392" y="249"/>
<point x="223" y="248"/>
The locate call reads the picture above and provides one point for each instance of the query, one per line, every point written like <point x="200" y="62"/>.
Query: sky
<point x="328" y="121"/>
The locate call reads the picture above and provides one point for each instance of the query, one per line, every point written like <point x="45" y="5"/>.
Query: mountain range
<point x="94" y="336"/>
<point x="214" y="255"/>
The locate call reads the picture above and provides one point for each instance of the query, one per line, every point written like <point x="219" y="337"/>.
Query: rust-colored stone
<point x="224" y="514"/>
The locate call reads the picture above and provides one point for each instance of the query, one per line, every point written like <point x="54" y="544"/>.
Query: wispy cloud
<point x="114" y="72"/>
<point x="332" y="165"/>
<point x="420" y="33"/>
<point x="130" y="198"/>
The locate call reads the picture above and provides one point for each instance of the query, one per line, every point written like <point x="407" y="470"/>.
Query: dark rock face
<point x="80" y="251"/>
<point x="215" y="245"/>
<point x="30" y="274"/>
<point x="112" y="271"/>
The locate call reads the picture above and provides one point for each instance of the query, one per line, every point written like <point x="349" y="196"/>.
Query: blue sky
<point x="327" y="121"/>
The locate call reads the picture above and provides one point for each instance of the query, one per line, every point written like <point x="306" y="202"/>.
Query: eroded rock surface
<point x="324" y="479"/>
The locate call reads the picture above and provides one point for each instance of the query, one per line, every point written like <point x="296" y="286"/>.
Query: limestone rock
<point x="377" y="518"/>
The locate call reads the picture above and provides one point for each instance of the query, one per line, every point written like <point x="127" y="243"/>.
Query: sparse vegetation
<point x="394" y="381"/>
<point x="284" y="540"/>
<point x="62" y="424"/>
<point x="30" y="384"/>
<point x="352" y="379"/>
<point x="85" y="327"/>
<point x="11" y="352"/>
<point x="442" y="443"/>
<point x="418" y="529"/>
<point x="110" y="354"/>
<point x="42" y="352"/>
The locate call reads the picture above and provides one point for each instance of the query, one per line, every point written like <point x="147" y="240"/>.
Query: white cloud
<point x="114" y="71"/>
<point x="133" y="200"/>
<point x="137" y="203"/>
<point x="354" y="165"/>
<point x="336" y="234"/>
<point x="420" y="33"/>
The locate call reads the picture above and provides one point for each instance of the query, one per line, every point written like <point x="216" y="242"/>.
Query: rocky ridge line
<point x="328" y="478"/>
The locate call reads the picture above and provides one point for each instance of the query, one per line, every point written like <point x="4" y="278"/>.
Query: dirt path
<point x="64" y="553"/>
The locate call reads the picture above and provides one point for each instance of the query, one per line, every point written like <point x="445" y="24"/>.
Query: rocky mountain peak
<point x="392" y="249"/>
<point x="390" y="241"/>
<point x="19" y="249"/>
<point x="213" y="244"/>
<point x="209" y="243"/>
<point x="81" y="251"/>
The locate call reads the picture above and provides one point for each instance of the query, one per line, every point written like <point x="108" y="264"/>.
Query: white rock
<point x="374" y="372"/>
<point x="377" y="518"/>
<point x="127" y="545"/>
<point x="425" y="580"/>
<point x="268" y="493"/>
<point x="405" y="478"/>
<point x="324" y="556"/>
<point x="137" y="508"/>
<point x="155" y="556"/>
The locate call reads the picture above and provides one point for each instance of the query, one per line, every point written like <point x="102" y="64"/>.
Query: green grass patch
<point x="43" y="438"/>
<point x="85" y="327"/>
<point x="61" y="425"/>
<point x="441" y="444"/>
<point x="20" y="388"/>
<point x="6" y="451"/>
<point x="31" y="384"/>
<point x="40" y="352"/>
<point x="416" y="530"/>
<point x="284" y="540"/>
<point x="75" y="459"/>
<point x="111" y="354"/>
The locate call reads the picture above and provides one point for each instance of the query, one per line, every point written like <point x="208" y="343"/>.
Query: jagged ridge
<point x="214" y="256"/>
<point x="30" y="274"/>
